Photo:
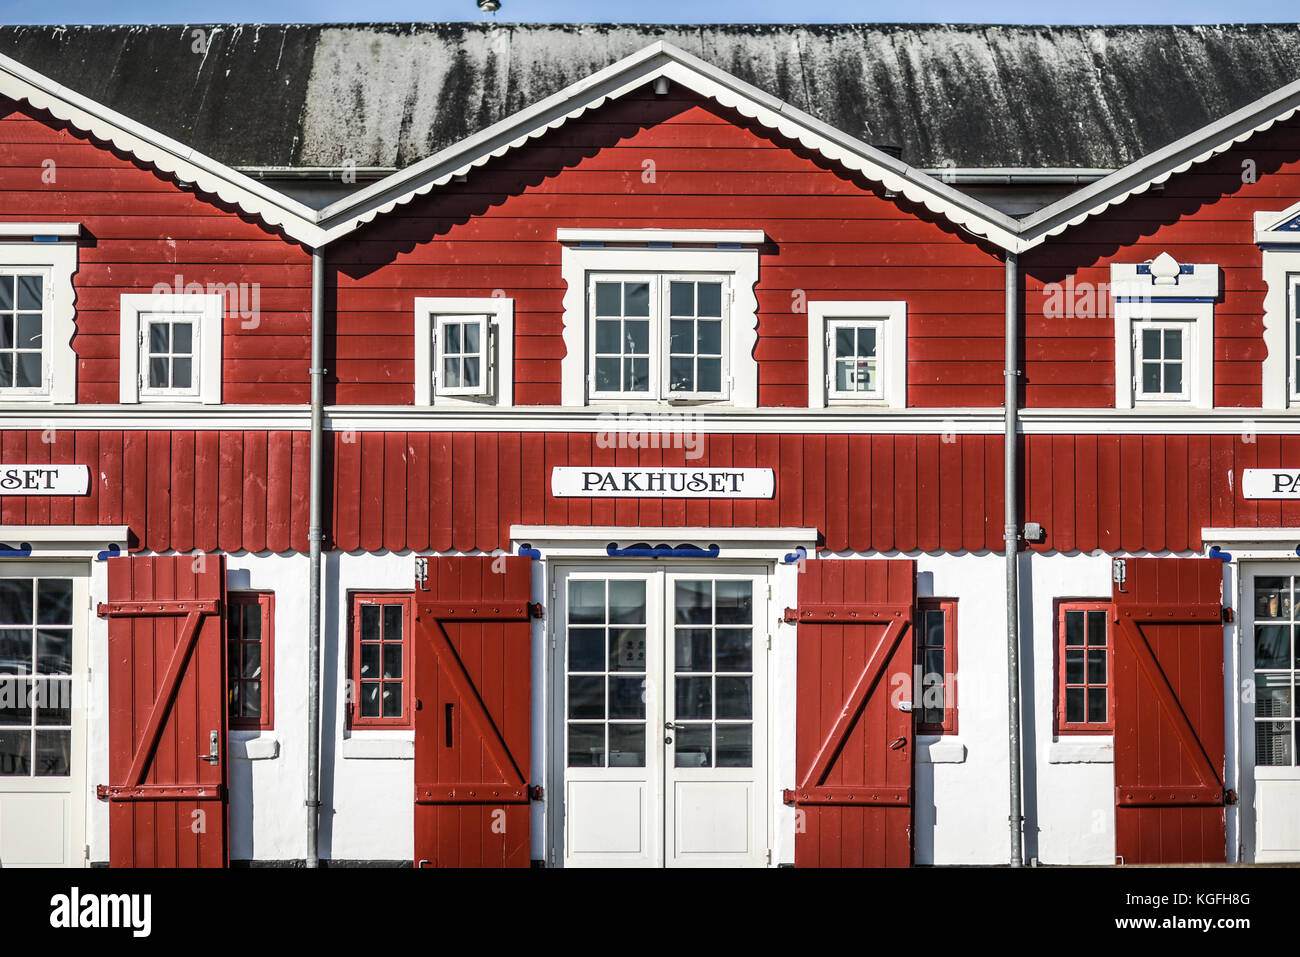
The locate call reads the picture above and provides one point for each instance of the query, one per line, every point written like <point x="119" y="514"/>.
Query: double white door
<point x="661" y="718"/>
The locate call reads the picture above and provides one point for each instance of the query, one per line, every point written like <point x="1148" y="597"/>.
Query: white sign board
<point x="44" y="479"/>
<point x="1270" y="483"/>
<point x="599" y="481"/>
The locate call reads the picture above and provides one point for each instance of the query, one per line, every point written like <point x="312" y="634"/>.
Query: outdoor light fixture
<point x="489" y="6"/>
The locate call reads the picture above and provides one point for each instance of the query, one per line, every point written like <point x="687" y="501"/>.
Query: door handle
<point x="897" y="743"/>
<point x="214" y="753"/>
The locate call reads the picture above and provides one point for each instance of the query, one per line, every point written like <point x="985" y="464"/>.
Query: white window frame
<point x="1279" y="244"/>
<point x="1187" y="360"/>
<point x="1138" y="298"/>
<point x="1293" y="334"/>
<point x="732" y="254"/>
<point x="56" y="263"/>
<point x="484" y="354"/>
<point x="207" y="312"/>
<point x="496" y="378"/>
<point x="890" y="316"/>
<point x="659" y="319"/>
<point x="150" y="393"/>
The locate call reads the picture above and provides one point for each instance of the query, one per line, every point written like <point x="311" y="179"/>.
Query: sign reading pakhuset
<point x="1270" y="483"/>
<point x="605" y="482"/>
<point x="44" y="479"/>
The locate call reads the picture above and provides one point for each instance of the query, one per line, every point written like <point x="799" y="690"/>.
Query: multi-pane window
<point x="854" y="359"/>
<point x="659" y="337"/>
<point x="35" y="677"/>
<point x="1161" y="361"/>
<point x="22" y="339"/>
<point x="1083" y="693"/>
<point x="936" y="656"/>
<point x="1277" y="670"/>
<point x="380" y="686"/>
<point x="168" y="356"/>
<point x="606" y="673"/>
<point x="250" y="618"/>
<point x="1294" y="371"/>
<point x="713" y="673"/>
<point x="461" y="365"/>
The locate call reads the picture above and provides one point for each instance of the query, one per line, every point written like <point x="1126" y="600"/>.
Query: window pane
<point x="1096" y="667"/>
<point x="29" y="292"/>
<point x="29" y="332"/>
<point x="1272" y="743"/>
<point x="1074" y="705"/>
<point x="735" y="749"/>
<point x="693" y="602"/>
<point x="586" y="745"/>
<point x="694" y="649"/>
<point x="1173" y="378"/>
<point x="607" y="335"/>
<point x="53" y="651"/>
<point x="6" y="369"/>
<point x="1097" y="628"/>
<point x="471" y="372"/>
<point x="1097" y="705"/>
<point x="693" y="747"/>
<point x="933" y="664"/>
<point x="934" y="628"/>
<point x="681" y="332"/>
<point x="7" y="332"/>
<point x="844" y="342"/>
<point x="53" y="701"/>
<point x="735" y="602"/>
<point x="710" y="375"/>
<point x="627" y="697"/>
<point x="1151" y="378"/>
<point x="636" y="299"/>
<point x="252" y="703"/>
<point x="627" y="604"/>
<point x="158" y="374"/>
<point x="392" y="699"/>
<point x="392" y="623"/>
<point x="370" y="660"/>
<point x="709" y="340"/>
<point x="681" y="298"/>
<point x="638" y="375"/>
<point x="472" y="335"/>
<point x="6" y="292"/>
<point x="681" y="375"/>
<point x="1173" y="344"/>
<point x="1150" y="343"/>
<point x="694" y="697"/>
<point x="586" y="697"/>
<point x="15" y="601"/>
<point x="369" y="622"/>
<point x="15" y="701"/>
<point x="607" y="375"/>
<point x="181" y="373"/>
<point x="587" y="602"/>
<point x="626" y="745"/>
<point x="1272" y="646"/>
<point x="608" y="299"/>
<point x="1272" y="696"/>
<point x="709" y="299"/>
<point x="843" y="377"/>
<point x="158" y="337"/>
<point x="636" y="334"/>
<point x="1269" y="593"/>
<point x="1074" y="667"/>
<point x="451" y="373"/>
<point x="183" y="337"/>
<point x="627" y="649"/>
<point x="451" y="338"/>
<point x="15" y="651"/>
<point x="370" y="699"/>
<point x="734" y="649"/>
<point x="251" y="614"/>
<point x="586" y="649"/>
<point x="734" y="697"/>
<point x="867" y="341"/>
<point x="54" y="601"/>
<point x="15" y="753"/>
<point x="392" y="660"/>
<point x="28" y="371"/>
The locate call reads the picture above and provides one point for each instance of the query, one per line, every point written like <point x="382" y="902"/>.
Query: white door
<point x="42" y="714"/>
<point x="662" y="719"/>
<point x="1271" y="725"/>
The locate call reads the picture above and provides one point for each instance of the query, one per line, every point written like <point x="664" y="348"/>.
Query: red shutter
<point x="853" y="746"/>
<point x="1169" y="704"/>
<point x="167" y="712"/>
<point x="473" y="670"/>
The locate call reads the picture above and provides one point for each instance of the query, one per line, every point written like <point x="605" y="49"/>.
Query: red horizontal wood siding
<point x="184" y="490"/>
<point x="671" y="162"/>
<point x="1205" y="215"/>
<point x="139" y="229"/>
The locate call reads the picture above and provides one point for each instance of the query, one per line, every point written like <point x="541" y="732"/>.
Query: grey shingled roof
<point x="386" y="95"/>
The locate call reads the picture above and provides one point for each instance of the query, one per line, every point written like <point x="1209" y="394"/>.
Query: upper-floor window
<point x="464" y="351"/>
<point x="660" y="316"/>
<point x="37" y="312"/>
<point x="1293" y="363"/>
<point x="171" y="347"/>
<point x="1161" y="351"/>
<point x="857" y="353"/>
<point x="658" y="337"/>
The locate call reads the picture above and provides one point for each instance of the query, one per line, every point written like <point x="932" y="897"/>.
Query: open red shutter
<point x="473" y="669"/>
<point x="1169" y="704"/>
<point x="853" y="746"/>
<point x="167" y="712"/>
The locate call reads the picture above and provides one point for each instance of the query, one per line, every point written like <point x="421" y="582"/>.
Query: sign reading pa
<point x="604" y="482"/>
<point x="1270" y="483"/>
<point x="44" y="479"/>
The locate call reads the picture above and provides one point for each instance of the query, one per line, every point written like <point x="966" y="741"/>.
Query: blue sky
<point x="659" y="11"/>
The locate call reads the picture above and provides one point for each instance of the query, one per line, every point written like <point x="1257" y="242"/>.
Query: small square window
<point x="171" y="347"/>
<point x="1084" y="696"/>
<point x="379" y="689"/>
<point x="462" y="360"/>
<point x="1161" y="361"/>
<point x="168" y="356"/>
<point x="854" y="369"/>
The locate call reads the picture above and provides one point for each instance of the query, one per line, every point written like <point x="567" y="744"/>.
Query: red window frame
<point x="1063" y="725"/>
<point x="948" y="608"/>
<point x="265" y="601"/>
<point x="356" y="683"/>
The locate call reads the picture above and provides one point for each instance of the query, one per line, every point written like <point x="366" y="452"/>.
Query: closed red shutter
<point x="473" y="670"/>
<point x="853" y="745"/>
<point x="1169" y="712"/>
<point x="167" y="712"/>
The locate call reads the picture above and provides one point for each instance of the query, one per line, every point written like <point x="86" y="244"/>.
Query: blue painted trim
<point x="730" y="246"/>
<point x="527" y="551"/>
<point x="45" y="239"/>
<point x="1144" y="269"/>
<point x="796" y="556"/>
<point x="661" y="551"/>
<point x="22" y="551"/>
<point x="660" y="245"/>
<point x="1165" y="299"/>
<point x="591" y="245"/>
<point x="1216" y="552"/>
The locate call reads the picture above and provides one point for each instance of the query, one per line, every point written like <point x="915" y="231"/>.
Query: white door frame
<point x="77" y="783"/>
<point x="557" y="572"/>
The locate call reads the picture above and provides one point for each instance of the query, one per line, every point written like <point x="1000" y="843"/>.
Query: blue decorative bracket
<point x="1216" y="552"/>
<point x="527" y="551"/>
<point x="642" y="550"/>
<point x="796" y="556"/>
<point x="22" y="551"/>
<point x="111" y="552"/>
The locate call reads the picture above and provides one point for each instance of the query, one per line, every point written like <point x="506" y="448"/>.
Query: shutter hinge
<point x="86" y="853"/>
<point x="421" y="570"/>
<point x="769" y="857"/>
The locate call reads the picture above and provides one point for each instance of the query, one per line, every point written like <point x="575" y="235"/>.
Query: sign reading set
<point x="1270" y="483"/>
<point x="605" y="482"/>
<point x="44" y="479"/>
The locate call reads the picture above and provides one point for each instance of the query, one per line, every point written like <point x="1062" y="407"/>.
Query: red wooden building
<point x="635" y="471"/>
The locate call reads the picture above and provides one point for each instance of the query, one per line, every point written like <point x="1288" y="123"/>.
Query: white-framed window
<point x="464" y="352"/>
<point x="37" y="312"/>
<point x="657" y="336"/>
<point x="1293" y="353"/>
<point x="1162" y="361"/>
<point x="1164" y="333"/>
<point x="1278" y="235"/>
<point x="171" y="347"/>
<point x="857" y="353"/>
<point x="660" y="316"/>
